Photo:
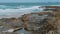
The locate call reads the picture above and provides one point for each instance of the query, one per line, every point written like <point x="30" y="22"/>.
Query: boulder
<point x="39" y="23"/>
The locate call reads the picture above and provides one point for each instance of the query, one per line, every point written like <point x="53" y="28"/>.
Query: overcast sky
<point x="21" y="1"/>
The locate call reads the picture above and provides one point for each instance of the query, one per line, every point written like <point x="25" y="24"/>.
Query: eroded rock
<point x="40" y="24"/>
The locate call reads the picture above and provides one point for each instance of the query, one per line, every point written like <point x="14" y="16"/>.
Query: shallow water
<point x="23" y="31"/>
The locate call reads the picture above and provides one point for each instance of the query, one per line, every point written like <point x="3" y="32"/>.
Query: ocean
<point x="8" y="10"/>
<point x="18" y="9"/>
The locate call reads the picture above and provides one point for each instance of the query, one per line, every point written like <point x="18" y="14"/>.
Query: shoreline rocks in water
<point x="37" y="23"/>
<point x="33" y="23"/>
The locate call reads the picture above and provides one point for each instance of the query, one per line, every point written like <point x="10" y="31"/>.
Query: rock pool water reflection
<point x="23" y="31"/>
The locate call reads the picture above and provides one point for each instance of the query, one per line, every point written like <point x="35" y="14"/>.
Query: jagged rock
<point x="13" y="22"/>
<point x="10" y="23"/>
<point x="34" y="23"/>
<point x="39" y="23"/>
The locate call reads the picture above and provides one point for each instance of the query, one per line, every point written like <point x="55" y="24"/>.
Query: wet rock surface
<point x="34" y="23"/>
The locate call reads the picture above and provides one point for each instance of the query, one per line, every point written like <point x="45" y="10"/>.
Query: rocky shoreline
<point x="33" y="23"/>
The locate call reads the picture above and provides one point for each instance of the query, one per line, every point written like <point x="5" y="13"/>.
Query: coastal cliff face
<point x="33" y="23"/>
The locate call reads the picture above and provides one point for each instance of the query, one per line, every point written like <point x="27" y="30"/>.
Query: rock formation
<point x="33" y="23"/>
<point x="39" y="22"/>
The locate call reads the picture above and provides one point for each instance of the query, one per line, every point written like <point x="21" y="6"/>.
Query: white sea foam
<point x="10" y="30"/>
<point x="18" y="12"/>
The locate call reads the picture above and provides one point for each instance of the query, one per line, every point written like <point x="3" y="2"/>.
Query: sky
<point x="25" y="1"/>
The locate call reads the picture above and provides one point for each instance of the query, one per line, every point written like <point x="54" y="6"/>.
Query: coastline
<point x="36" y="22"/>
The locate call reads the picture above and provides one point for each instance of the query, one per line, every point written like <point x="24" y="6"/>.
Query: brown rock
<point x="40" y="23"/>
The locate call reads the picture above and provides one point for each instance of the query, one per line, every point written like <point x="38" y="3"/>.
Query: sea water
<point x="8" y="10"/>
<point x="18" y="9"/>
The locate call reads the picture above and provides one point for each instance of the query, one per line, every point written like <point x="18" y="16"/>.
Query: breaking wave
<point x="13" y="11"/>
